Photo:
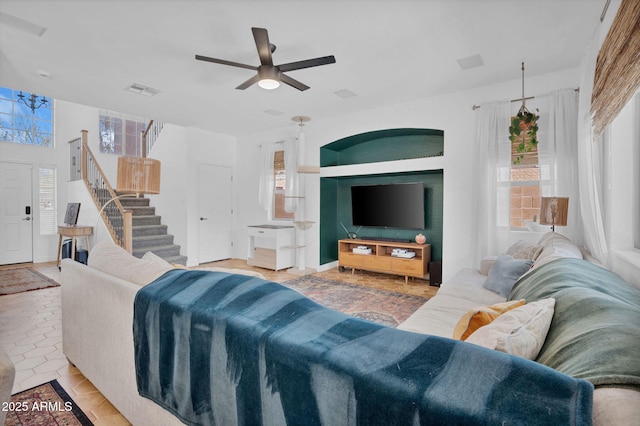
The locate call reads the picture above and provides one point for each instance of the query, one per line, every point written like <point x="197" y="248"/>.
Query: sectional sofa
<point x="98" y="337"/>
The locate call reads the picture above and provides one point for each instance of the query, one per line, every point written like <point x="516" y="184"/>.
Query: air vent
<point x="345" y="94"/>
<point x="470" y="62"/>
<point x="143" y="90"/>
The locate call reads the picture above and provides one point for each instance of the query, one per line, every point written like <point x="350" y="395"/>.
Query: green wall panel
<point x="383" y="145"/>
<point x="328" y="220"/>
<point x="335" y="201"/>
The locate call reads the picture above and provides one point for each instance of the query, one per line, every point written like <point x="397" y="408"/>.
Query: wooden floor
<point x="30" y="331"/>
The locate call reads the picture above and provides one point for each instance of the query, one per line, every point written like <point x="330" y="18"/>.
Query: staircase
<point x="149" y="234"/>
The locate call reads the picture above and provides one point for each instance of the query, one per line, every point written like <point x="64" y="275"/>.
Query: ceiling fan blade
<point x="316" y="62"/>
<point x="293" y="83"/>
<point x="223" y="62"/>
<point x="261" y="37"/>
<point x="253" y="80"/>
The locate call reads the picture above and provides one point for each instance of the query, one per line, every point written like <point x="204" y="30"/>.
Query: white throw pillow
<point x="116" y="261"/>
<point x="520" y="331"/>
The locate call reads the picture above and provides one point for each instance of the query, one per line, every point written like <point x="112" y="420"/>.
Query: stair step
<point x="164" y="252"/>
<point x="146" y="220"/>
<point x="145" y="230"/>
<point x="180" y="260"/>
<point x="152" y="241"/>
<point x="141" y="210"/>
<point x="129" y="201"/>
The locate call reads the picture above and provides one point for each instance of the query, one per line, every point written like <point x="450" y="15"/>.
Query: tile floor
<point x="30" y="332"/>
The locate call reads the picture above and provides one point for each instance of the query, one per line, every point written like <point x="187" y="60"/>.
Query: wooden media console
<point x="381" y="260"/>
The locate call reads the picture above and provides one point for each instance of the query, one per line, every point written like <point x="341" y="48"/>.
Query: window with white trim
<point x="280" y="179"/>
<point x="47" y="200"/>
<point x="121" y="134"/>
<point x="524" y="181"/>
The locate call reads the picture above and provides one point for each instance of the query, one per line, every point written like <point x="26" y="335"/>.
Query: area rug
<point x="47" y="404"/>
<point x="382" y="306"/>
<point x="23" y="279"/>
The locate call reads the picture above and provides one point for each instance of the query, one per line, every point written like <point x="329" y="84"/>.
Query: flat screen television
<point x="399" y="205"/>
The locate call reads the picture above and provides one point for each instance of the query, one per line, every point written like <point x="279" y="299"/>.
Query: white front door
<point x="16" y="214"/>
<point x="214" y="213"/>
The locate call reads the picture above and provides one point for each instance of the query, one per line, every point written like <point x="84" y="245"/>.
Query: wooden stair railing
<point x="118" y="221"/>
<point x="150" y="135"/>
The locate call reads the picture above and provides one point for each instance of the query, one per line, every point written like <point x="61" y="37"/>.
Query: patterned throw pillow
<point x="524" y="250"/>
<point x="481" y="316"/>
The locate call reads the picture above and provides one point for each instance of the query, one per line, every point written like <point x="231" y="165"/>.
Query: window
<point x="47" y="200"/>
<point x="26" y="118"/>
<point x="525" y="186"/>
<point x="280" y="178"/>
<point x="121" y="135"/>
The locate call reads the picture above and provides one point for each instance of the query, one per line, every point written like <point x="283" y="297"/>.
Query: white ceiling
<point x="386" y="52"/>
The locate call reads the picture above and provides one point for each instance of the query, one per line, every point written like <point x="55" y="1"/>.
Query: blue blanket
<point x="221" y="349"/>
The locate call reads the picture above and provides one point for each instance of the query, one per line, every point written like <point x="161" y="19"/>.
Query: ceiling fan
<point x="270" y="76"/>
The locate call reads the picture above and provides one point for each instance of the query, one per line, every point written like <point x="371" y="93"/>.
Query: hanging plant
<point x="524" y="131"/>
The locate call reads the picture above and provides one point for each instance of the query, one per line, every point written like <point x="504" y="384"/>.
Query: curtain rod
<point x="475" y="107"/>
<point x="604" y="11"/>
<point x="270" y="143"/>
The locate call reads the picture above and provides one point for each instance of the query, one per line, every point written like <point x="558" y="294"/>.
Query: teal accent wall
<point x="384" y="145"/>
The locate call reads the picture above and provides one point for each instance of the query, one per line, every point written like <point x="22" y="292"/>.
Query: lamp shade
<point x="554" y="211"/>
<point x="138" y="175"/>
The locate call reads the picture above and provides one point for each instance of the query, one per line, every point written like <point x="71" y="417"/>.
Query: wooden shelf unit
<point x="380" y="259"/>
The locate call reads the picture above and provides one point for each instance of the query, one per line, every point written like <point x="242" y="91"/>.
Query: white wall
<point x="451" y="113"/>
<point x="621" y="192"/>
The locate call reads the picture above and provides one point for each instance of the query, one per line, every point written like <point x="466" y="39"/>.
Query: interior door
<point x="214" y="212"/>
<point x="16" y="224"/>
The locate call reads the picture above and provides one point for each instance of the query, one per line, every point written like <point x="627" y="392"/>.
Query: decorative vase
<point x="421" y="239"/>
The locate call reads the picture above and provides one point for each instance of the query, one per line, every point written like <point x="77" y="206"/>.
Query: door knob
<point x="27" y="218"/>
<point x="203" y="218"/>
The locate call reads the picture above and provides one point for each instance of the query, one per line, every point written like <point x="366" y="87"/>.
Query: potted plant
<point x="524" y="130"/>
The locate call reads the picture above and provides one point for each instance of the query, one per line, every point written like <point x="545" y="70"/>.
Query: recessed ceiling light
<point x="345" y="93"/>
<point x="273" y="112"/>
<point x="143" y="90"/>
<point x="470" y="62"/>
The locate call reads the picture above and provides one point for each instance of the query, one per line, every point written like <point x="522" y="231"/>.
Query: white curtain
<point x="557" y="154"/>
<point x="590" y="160"/>
<point x="291" y="189"/>
<point x="267" y="179"/>
<point x="491" y="177"/>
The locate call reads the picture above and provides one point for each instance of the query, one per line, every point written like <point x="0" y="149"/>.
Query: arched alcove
<point x="374" y="158"/>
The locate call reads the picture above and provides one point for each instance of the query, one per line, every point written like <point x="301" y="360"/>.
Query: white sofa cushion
<point x="116" y="261"/>
<point x="440" y="314"/>
<point x="467" y="284"/>
<point x="155" y="258"/>
<point x="520" y="331"/>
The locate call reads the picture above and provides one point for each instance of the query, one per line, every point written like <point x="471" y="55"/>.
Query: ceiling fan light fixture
<point x="269" y="84"/>
<point x="269" y="77"/>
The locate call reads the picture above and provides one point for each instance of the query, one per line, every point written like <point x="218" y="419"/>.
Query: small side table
<point x="73" y="232"/>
